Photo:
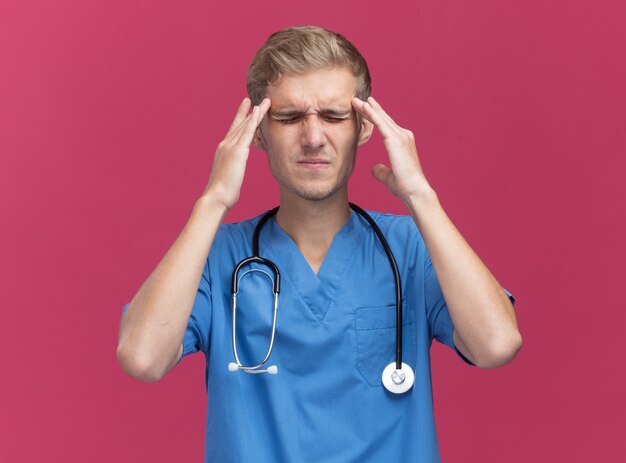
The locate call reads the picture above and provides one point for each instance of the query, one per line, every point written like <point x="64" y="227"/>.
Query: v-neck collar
<point x="317" y="291"/>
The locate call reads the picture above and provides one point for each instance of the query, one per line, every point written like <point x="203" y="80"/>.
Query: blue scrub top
<point x="335" y="334"/>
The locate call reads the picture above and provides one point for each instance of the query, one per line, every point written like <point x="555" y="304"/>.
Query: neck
<point x="312" y="225"/>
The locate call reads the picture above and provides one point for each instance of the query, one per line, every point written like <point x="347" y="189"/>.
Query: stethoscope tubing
<point x="256" y="258"/>
<point x="255" y="368"/>
<point x="396" y="277"/>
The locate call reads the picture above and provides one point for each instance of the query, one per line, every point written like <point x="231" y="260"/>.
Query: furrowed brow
<point x="294" y="113"/>
<point x="335" y="112"/>
<point x="287" y="113"/>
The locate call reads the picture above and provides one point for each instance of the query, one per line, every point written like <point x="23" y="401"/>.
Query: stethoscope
<point x="397" y="377"/>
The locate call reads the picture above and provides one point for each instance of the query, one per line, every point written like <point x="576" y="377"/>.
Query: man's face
<point x="311" y="132"/>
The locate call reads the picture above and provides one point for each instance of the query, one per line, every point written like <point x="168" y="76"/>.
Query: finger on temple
<point x="249" y="118"/>
<point x="379" y="108"/>
<point x="264" y="107"/>
<point x="252" y="117"/>
<point x="359" y="107"/>
<point x="242" y="112"/>
<point x="266" y="101"/>
<point x="376" y="118"/>
<point x="253" y="122"/>
<point x="246" y="131"/>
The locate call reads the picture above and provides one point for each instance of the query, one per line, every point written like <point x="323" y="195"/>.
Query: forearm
<point x="153" y="327"/>
<point x="485" y="327"/>
<point x="484" y="319"/>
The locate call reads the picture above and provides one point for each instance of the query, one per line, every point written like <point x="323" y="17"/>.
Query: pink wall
<point x="110" y="113"/>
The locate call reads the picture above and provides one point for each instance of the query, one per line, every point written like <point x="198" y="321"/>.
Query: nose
<point x="313" y="136"/>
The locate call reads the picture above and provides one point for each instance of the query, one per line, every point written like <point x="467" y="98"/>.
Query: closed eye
<point x="335" y="119"/>
<point x="325" y="117"/>
<point x="290" y="120"/>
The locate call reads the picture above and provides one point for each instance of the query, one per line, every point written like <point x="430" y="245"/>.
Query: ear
<point x="365" y="131"/>
<point x="258" y="141"/>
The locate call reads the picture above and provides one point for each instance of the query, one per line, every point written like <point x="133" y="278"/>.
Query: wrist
<point x="210" y="202"/>
<point x="424" y="198"/>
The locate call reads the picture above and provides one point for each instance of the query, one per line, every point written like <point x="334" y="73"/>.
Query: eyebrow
<point x="293" y="113"/>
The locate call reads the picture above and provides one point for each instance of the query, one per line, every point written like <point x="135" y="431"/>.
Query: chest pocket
<point x="376" y="340"/>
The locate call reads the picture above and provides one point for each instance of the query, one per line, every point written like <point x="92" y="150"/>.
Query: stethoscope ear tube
<point x="257" y="230"/>
<point x="259" y="260"/>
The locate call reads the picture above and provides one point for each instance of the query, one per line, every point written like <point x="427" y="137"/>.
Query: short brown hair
<point x="301" y="49"/>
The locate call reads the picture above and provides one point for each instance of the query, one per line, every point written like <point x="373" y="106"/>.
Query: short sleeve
<point x="198" y="327"/>
<point x="196" y="336"/>
<point x="440" y="324"/>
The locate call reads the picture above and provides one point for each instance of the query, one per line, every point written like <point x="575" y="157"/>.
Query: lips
<point x="314" y="163"/>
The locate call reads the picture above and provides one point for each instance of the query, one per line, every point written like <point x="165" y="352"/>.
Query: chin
<point x="313" y="189"/>
<point x="316" y="194"/>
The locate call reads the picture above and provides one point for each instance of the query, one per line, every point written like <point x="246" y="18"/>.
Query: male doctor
<point x="309" y="109"/>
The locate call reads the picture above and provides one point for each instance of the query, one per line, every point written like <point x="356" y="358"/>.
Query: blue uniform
<point x="335" y="334"/>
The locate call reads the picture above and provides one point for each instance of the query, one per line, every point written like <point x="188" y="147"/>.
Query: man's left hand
<point x="405" y="178"/>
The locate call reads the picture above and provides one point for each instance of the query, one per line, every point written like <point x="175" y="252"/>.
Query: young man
<point x="336" y="318"/>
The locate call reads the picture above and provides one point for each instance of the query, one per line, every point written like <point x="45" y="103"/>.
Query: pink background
<point x="109" y="116"/>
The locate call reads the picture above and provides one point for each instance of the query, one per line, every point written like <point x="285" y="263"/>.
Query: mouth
<point x="313" y="163"/>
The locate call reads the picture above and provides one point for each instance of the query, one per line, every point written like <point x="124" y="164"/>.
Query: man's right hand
<point x="153" y="328"/>
<point x="230" y="160"/>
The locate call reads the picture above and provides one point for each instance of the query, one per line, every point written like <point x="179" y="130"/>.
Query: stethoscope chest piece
<point x="398" y="381"/>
